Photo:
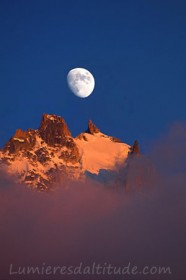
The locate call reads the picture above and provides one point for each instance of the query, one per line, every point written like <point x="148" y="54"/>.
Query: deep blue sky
<point x="136" y="51"/>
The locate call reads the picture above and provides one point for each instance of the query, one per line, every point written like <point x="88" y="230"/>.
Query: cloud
<point x="88" y="223"/>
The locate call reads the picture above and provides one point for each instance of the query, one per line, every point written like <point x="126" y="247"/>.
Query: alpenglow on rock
<point x="53" y="129"/>
<point x="48" y="155"/>
<point x="92" y="128"/>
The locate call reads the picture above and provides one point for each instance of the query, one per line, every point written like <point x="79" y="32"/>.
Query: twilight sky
<point x="136" y="51"/>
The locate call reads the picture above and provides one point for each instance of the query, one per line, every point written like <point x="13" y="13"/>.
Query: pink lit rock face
<point x="53" y="130"/>
<point x="92" y="128"/>
<point x="41" y="158"/>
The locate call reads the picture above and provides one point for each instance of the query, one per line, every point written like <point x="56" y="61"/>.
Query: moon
<point x="81" y="82"/>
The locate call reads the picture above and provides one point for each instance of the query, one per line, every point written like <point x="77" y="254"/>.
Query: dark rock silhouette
<point x="135" y="149"/>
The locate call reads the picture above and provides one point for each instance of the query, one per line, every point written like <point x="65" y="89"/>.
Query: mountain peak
<point x="42" y="157"/>
<point x="135" y="149"/>
<point x="53" y="129"/>
<point x="21" y="140"/>
<point x="21" y="134"/>
<point x="92" y="128"/>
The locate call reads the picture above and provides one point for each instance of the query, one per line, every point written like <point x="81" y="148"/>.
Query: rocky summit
<point x="92" y="128"/>
<point x="46" y="156"/>
<point x="53" y="130"/>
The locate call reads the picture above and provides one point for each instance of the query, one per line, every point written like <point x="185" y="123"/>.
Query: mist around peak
<point x="88" y="223"/>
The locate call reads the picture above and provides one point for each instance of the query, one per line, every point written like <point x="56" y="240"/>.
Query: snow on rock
<point x="100" y="152"/>
<point x="18" y="139"/>
<point x="40" y="157"/>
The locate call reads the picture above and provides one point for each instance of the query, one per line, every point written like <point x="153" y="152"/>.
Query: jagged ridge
<point x="42" y="157"/>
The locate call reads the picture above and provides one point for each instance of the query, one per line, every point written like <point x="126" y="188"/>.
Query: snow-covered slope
<point x="42" y="157"/>
<point x="99" y="151"/>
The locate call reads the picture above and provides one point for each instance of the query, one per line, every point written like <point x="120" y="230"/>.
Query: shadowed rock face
<point x="53" y="130"/>
<point x="135" y="150"/>
<point x="92" y="128"/>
